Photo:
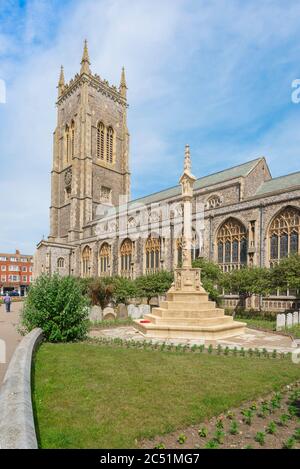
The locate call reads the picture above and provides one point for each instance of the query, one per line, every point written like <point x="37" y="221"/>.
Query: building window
<point x="3" y="267"/>
<point x="232" y="245"/>
<point x="67" y="144"/>
<point x="13" y="268"/>
<point x="104" y="259"/>
<point x="100" y="141"/>
<point x="213" y="202"/>
<point x="86" y="261"/>
<point x="72" y="139"/>
<point x="109" y="145"/>
<point x="284" y="234"/>
<point x="13" y="259"/>
<point x="105" y="194"/>
<point x="24" y="278"/>
<point x="3" y="278"/>
<point x="126" y="253"/>
<point x="24" y="269"/>
<point x="60" y="262"/>
<point x="2" y="258"/>
<point x="153" y="252"/>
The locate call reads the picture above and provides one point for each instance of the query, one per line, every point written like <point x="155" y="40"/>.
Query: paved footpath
<point x="8" y="333"/>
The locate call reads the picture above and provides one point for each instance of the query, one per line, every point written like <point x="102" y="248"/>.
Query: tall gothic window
<point x="126" y="254"/>
<point x="232" y="245"/>
<point x="152" y="250"/>
<point x="67" y="144"/>
<point x="86" y="261"/>
<point x="100" y="141"/>
<point x="72" y="138"/>
<point x="104" y="259"/>
<point x="109" y="144"/>
<point x="284" y="234"/>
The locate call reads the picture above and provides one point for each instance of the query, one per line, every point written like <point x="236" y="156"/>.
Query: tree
<point x="286" y="274"/>
<point x="154" y="284"/>
<point x="247" y="282"/>
<point x="211" y="277"/>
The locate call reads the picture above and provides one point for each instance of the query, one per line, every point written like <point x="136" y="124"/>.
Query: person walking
<point x="7" y="302"/>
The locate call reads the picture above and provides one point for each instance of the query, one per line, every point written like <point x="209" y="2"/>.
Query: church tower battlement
<point x="90" y="150"/>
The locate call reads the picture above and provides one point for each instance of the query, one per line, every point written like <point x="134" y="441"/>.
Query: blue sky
<point x="214" y="74"/>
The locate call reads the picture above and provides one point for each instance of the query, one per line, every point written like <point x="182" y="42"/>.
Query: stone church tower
<point x="91" y="150"/>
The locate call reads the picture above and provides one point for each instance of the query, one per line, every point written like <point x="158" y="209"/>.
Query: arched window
<point x="284" y="234"/>
<point x="152" y="249"/>
<point x="109" y="144"/>
<point x="232" y="245"/>
<point x="213" y="202"/>
<point x="60" y="262"/>
<point x="104" y="259"/>
<point x="126" y="253"/>
<point x="67" y="144"/>
<point x="86" y="261"/>
<point x="72" y="138"/>
<point x="100" y="141"/>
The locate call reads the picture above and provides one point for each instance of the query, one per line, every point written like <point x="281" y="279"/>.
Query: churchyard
<point x="98" y="383"/>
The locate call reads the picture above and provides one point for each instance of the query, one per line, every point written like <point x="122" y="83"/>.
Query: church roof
<point x="215" y="178"/>
<point x="280" y="183"/>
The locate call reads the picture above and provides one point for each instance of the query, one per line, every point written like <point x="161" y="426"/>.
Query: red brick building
<point x="15" y="272"/>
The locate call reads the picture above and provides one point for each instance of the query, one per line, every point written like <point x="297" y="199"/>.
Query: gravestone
<point x="289" y="320"/>
<point x="144" y="309"/>
<point x="95" y="313"/>
<point x="280" y="322"/>
<point x="295" y="318"/>
<point x="122" y="311"/>
<point x="133" y="312"/>
<point x="109" y="314"/>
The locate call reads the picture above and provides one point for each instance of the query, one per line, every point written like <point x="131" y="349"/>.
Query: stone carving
<point x="68" y="178"/>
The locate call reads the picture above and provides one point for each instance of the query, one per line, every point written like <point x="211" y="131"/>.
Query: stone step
<point x="187" y="296"/>
<point x="195" y="313"/>
<point x="189" y="321"/>
<point x="190" y="305"/>
<point x="169" y="331"/>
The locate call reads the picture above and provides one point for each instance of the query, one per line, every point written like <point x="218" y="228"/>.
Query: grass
<point x="269" y="325"/>
<point x="92" y="396"/>
<point x="109" y="324"/>
<point x="259" y="323"/>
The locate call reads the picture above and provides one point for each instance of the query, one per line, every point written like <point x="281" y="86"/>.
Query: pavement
<point x="250" y="339"/>
<point x="9" y="334"/>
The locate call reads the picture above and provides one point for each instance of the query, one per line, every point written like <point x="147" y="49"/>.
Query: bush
<point x="154" y="284"/>
<point x="58" y="306"/>
<point x="100" y="291"/>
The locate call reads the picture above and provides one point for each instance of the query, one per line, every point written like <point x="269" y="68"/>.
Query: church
<point x="241" y="215"/>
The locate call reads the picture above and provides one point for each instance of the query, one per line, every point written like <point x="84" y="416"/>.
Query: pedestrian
<point x="7" y="302"/>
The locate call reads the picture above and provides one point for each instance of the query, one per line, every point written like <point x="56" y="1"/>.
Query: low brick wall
<point x="17" y="429"/>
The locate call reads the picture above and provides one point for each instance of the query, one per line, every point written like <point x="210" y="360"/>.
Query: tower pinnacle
<point x="123" y="86"/>
<point x="61" y="82"/>
<point x="85" y="61"/>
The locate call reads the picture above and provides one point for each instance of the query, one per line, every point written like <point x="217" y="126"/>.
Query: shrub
<point x="260" y="438"/>
<point x="100" y="291"/>
<point x="57" y="305"/>
<point x="181" y="439"/>
<point x="271" y="428"/>
<point x="212" y="444"/>
<point x="203" y="432"/>
<point x="289" y="443"/>
<point x="233" y="430"/>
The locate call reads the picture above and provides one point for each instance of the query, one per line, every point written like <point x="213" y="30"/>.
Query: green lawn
<point x="95" y="396"/>
<point x="267" y="324"/>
